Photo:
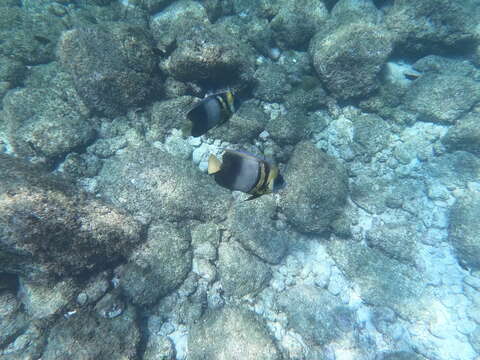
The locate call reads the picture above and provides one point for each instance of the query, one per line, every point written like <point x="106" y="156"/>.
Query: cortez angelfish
<point x="245" y="172"/>
<point x="211" y="111"/>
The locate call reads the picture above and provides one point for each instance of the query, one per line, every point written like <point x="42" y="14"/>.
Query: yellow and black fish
<point x="211" y="111"/>
<point x="245" y="172"/>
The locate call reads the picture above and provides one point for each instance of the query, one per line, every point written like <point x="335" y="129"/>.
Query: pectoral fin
<point x="214" y="165"/>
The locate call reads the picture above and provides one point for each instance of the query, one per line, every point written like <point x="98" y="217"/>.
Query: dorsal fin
<point x="214" y="165"/>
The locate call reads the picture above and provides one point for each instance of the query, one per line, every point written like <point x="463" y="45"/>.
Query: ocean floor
<point x="115" y="243"/>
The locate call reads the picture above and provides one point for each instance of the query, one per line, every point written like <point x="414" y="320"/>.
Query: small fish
<point x="245" y="172"/>
<point x="211" y="111"/>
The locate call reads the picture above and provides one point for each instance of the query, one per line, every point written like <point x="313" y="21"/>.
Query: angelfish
<point x="245" y="172"/>
<point x="211" y="111"/>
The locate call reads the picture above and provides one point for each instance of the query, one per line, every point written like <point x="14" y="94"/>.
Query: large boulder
<point x="112" y="67"/>
<point x="213" y="57"/>
<point x="464" y="135"/>
<point x="433" y="26"/>
<point x="172" y="22"/>
<point x="442" y="98"/>
<point x="349" y="59"/>
<point x="43" y="123"/>
<point x="315" y="313"/>
<point x="89" y="336"/>
<point x="297" y="21"/>
<point x="464" y="229"/>
<point x="158" y="266"/>
<point x="381" y="280"/>
<point x="157" y="185"/>
<point x="230" y="333"/>
<point x="252" y="225"/>
<point x="241" y="273"/>
<point x="48" y="230"/>
<point x="316" y="190"/>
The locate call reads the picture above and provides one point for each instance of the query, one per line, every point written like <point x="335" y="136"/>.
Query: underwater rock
<point x="432" y="26"/>
<point x="272" y="83"/>
<point x="397" y="241"/>
<point x="157" y="185"/>
<point x="297" y="21"/>
<point x="26" y="344"/>
<point x="475" y="339"/>
<point x="241" y="273"/>
<point x="47" y="230"/>
<point x="87" y="336"/>
<point x="350" y="11"/>
<point x="41" y="122"/>
<point x="251" y="29"/>
<point x="370" y="134"/>
<point x="166" y="115"/>
<point x="349" y="59"/>
<point x="112" y="67"/>
<point x="152" y="6"/>
<point x="174" y="21"/>
<point x="464" y="135"/>
<point x="12" y="71"/>
<point x="158" y="266"/>
<point x="381" y="280"/>
<point x="252" y="225"/>
<point x="315" y="313"/>
<point x="244" y="125"/>
<point x="316" y="190"/>
<point x="464" y="229"/>
<point x="41" y="301"/>
<point x="28" y="36"/>
<point x="230" y="333"/>
<point x="159" y="348"/>
<point x="402" y="355"/>
<point x="442" y="98"/>
<point x="13" y="321"/>
<point x="289" y="128"/>
<point x="214" y="57"/>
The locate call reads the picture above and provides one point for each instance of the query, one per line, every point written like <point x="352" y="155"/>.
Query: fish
<point x="242" y="171"/>
<point x="211" y="111"/>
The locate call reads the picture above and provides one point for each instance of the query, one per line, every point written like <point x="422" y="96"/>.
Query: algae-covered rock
<point x="370" y="134"/>
<point x="290" y="128"/>
<point x="464" y="229"/>
<point x="157" y="267"/>
<point x="87" y="336"/>
<point x="442" y="98"/>
<point x="172" y="22"/>
<point x="432" y="26"/>
<point x="272" y="83"/>
<point x="157" y="185"/>
<point x="169" y="114"/>
<point x="28" y="36"/>
<point x="464" y="135"/>
<point x="230" y="333"/>
<point x="112" y="67"/>
<point x="47" y="230"/>
<point x="41" y="301"/>
<point x="316" y="189"/>
<point x="212" y="56"/>
<point x="314" y="313"/>
<point x="241" y="273"/>
<point x="152" y="6"/>
<point x="253" y="226"/>
<point x="41" y="122"/>
<point x="381" y="281"/>
<point x="243" y="126"/>
<point x="350" y="11"/>
<point x="349" y="59"/>
<point x="297" y="21"/>
<point x="13" y="320"/>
